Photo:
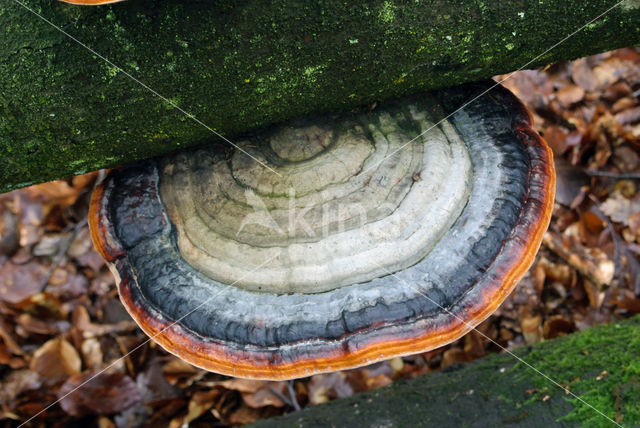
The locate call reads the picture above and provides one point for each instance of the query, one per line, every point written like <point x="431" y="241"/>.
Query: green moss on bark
<point x="65" y="111"/>
<point x="600" y="365"/>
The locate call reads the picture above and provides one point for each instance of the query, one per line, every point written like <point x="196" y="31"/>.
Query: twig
<point x="578" y="258"/>
<point x="290" y="401"/>
<point x="292" y="394"/>
<point x="614" y="236"/>
<point x="632" y="262"/>
<point x="616" y="175"/>
<point x="62" y="251"/>
<point x="280" y="396"/>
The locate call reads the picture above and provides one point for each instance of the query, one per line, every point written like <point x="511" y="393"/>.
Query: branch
<point x="236" y="66"/>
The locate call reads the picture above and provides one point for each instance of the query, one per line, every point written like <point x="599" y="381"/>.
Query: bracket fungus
<point x="359" y="243"/>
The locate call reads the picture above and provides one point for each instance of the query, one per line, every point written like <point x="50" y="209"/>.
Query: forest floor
<point x="61" y="321"/>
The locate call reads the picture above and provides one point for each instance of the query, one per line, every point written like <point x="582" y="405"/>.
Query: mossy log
<point x="241" y="66"/>
<point x="600" y="365"/>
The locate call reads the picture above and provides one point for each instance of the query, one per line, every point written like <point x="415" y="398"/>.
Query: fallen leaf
<point x="326" y="387"/>
<point x="200" y="402"/>
<point x="616" y="92"/>
<point x="581" y="74"/>
<point x="630" y="115"/>
<point x="557" y="325"/>
<point x="570" y="94"/>
<point x="242" y="385"/>
<point x="32" y="324"/>
<point x="9" y="238"/>
<point x="453" y="355"/>
<point x="92" y="353"/>
<point x="619" y="208"/>
<point x="531" y="328"/>
<point x="180" y="373"/>
<point x="569" y="182"/>
<point x="82" y="322"/>
<point x="48" y="245"/>
<point x="19" y="282"/>
<point x="97" y="393"/>
<point x="62" y="192"/>
<point x="17" y="382"/>
<point x="57" y="359"/>
<point x="268" y="394"/>
<point x="243" y="416"/>
<point x="556" y="137"/>
<point x="625" y="158"/>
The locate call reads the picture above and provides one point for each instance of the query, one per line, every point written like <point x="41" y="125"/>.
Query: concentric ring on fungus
<point x="290" y="273"/>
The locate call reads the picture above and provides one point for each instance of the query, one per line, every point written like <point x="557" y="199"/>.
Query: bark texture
<point x="64" y="110"/>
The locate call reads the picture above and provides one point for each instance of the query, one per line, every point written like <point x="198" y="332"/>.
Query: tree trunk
<point x="600" y="365"/>
<point x="66" y="111"/>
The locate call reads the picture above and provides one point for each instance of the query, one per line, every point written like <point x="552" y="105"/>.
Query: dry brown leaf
<point x="569" y="182"/>
<point x="556" y="137"/>
<point x="453" y="355"/>
<point x="104" y="422"/>
<point x="16" y="382"/>
<point x="590" y="227"/>
<point x="101" y="393"/>
<point x="557" y="325"/>
<point x="582" y="74"/>
<point x="634" y="225"/>
<point x="619" y="208"/>
<point x="81" y="244"/>
<point x="243" y="416"/>
<point x="62" y="192"/>
<point x="48" y="245"/>
<point x="628" y="301"/>
<point x="377" y="381"/>
<point x="242" y="385"/>
<point x="594" y="293"/>
<point x="9" y="238"/>
<point x="92" y="260"/>
<point x="31" y="217"/>
<point x="570" y="94"/>
<point x="92" y="353"/>
<point x="591" y="262"/>
<point x="630" y="115"/>
<point x="8" y="339"/>
<point x="326" y="387"/>
<point x="625" y="158"/>
<point x="19" y="282"/>
<point x="57" y="359"/>
<point x="180" y="373"/>
<point x="397" y="364"/>
<point x="622" y="104"/>
<point x="82" y="322"/>
<point x="267" y="395"/>
<point x="474" y="344"/>
<point x="531" y="328"/>
<point x="616" y="92"/>
<point x="200" y="402"/>
<point x="31" y="324"/>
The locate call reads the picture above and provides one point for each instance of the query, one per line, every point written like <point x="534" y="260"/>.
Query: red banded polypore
<point x="365" y="244"/>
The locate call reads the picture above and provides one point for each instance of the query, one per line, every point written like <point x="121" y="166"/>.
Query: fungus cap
<point x="364" y="243"/>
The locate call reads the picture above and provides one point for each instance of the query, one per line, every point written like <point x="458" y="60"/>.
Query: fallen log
<point x="597" y="374"/>
<point x="66" y="110"/>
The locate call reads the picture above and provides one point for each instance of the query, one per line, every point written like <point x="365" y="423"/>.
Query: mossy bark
<point x="600" y="365"/>
<point x="66" y="111"/>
